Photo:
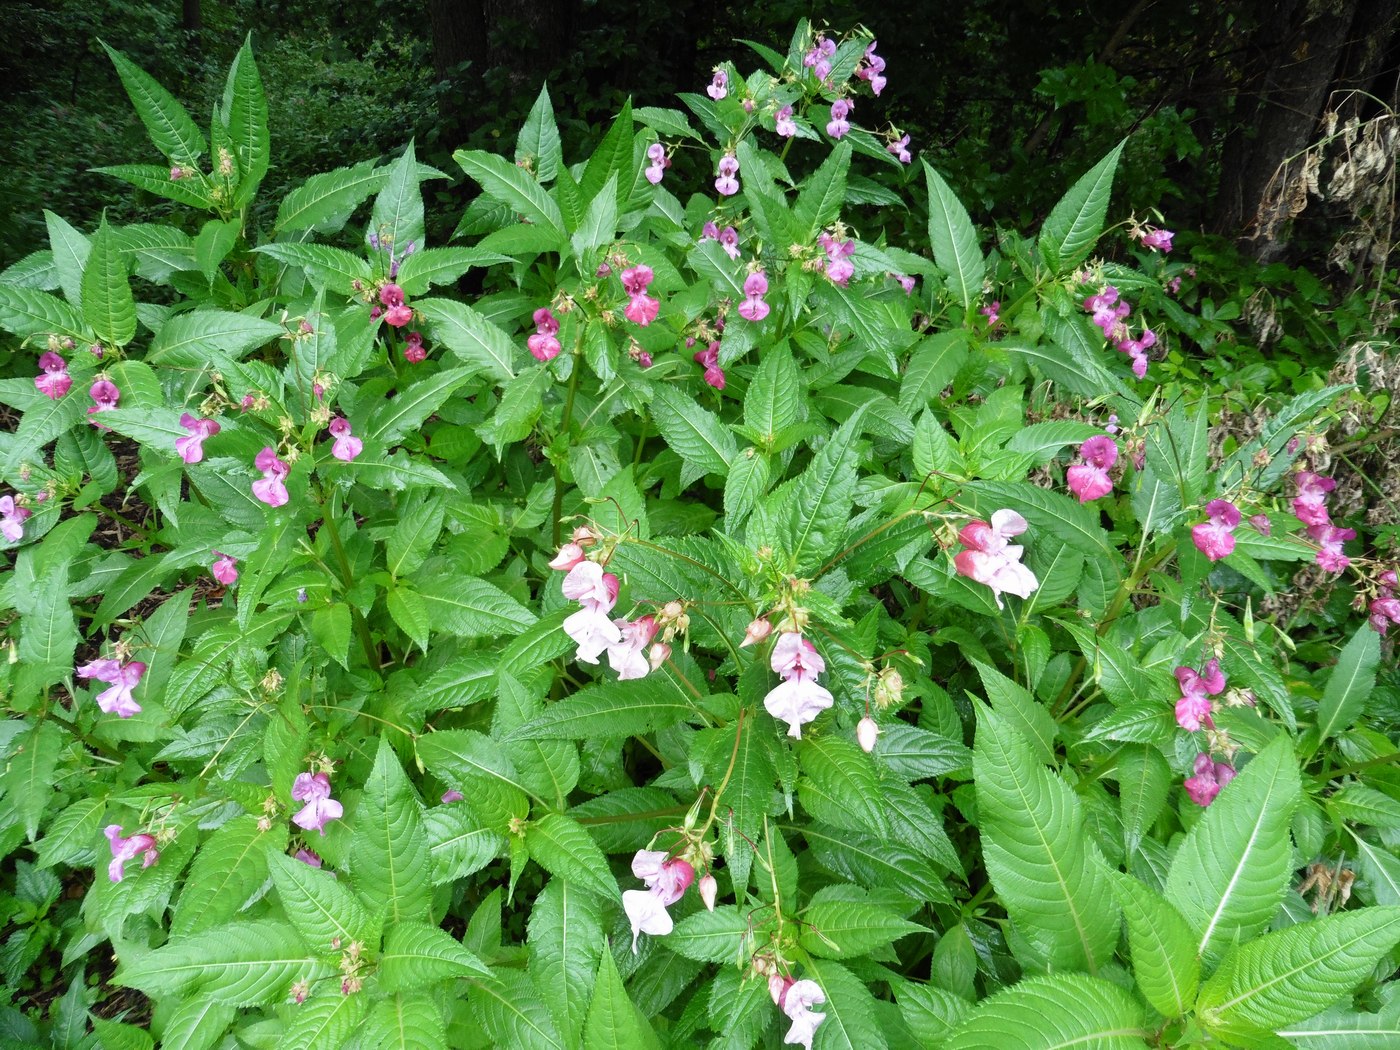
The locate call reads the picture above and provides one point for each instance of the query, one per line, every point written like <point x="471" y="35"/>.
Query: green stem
<point x="564" y="430"/>
<point x="361" y="627"/>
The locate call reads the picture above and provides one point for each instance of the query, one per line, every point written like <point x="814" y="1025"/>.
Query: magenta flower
<point x="105" y="396"/>
<point x="123" y="678"/>
<point x="191" y="447"/>
<point x="626" y="656"/>
<point x="55" y="382"/>
<point x="908" y="284"/>
<point x="900" y="149"/>
<point x="795" y="1002"/>
<point x="818" y="60"/>
<point x="391" y="295"/>
<point x="1194" y="708"/>
<point x="1157" y="240"/>
<point x="992" y="313"/>
<point x="871" y="70"/>
<point x="667" y="877"/>
<point x="754" y="308"/>
<point x="1210" y="777"/>
<point x="798" y="698"/>
<point x="308" y="856"/>
<point x="656" y="153"/>
<point x="838" y="124"/>
<point x="838" y="267"/>
<point x="452" y="795"/>
<point x="225" y="569"/>
<point x="12" y="519"/>
<point x="544" y="344"/>
<point x="1383" y="612"/>
<point x="708" y="359"/>
<point x="124" y="850"/>
<point x="990" y="559"/>
<point x="315" y="790"/>
<point x="398" y="316"/>
<point x="1215" y="537"/>
<point x="1261" y="524"/>
<point x="346" y="445"/>
<point x="641" y="309"/>
<point x="1089" y="479"/>
<point x="1310" y="504"/>
<point x="1108" y="312"/>
<point x="719" y="85"/>
<point x="1330" y="555"/>
<point x="413" y="351"/>
<point x="272" y="489"/>
<point x="783" y="124"/>
<point x="726" y="185"/>
<point x="729" y="241"/>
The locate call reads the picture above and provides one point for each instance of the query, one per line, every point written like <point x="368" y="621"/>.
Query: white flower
<point x="592" y="631"/>
<point x="647" y="914"/>
<point x="800" y="995"/>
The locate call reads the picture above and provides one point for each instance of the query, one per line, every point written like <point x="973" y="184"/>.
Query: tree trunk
<point x="191" y="18"/>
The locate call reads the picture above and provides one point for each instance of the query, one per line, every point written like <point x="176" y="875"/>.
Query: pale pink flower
<point x="315" y="790"/>
<point x="801" y="995"/>
<point x="719" y="85"/>
<point x="1330" y="555"/>
<point x="659" y="653"/>
<point x="709" y="890"/>
<point x="992" y="560"/>
<point x="899" y="148"/>
<point x="346" y="446"/>
<point x="55" y="381"/>
<point x="105" y="396"/>
<point x="727" y="184"/>
<point x="225" y="570"/>
<point x="592" y="631"/>
<point x="1384" y="611"/>
<point x="308" y="856"/>
<point x="758" y="630"/>
<point x="798" y="698"/>
<point x="783" y="124"/>
<point x="124" y="850"/>
<point x="657" y="168"/>
<point x="190" y="448"/>
<point x="413" y="349"/>
<point x="272" y="489"/>
<point x="839" y="125"/>
<point x="570" y="554"/>
<point x="647" y="914"/>
<point x="667" y="877"/>
<point x="642" y="309"/>
<point x="12" y="519"/>
<point x="123" y="678"/>
<point x="729" y="241"/>
<point x="587" y="584"/>
<point x="626" y="656"/>
<point x="398" y="316"/>
<point x="1310" y="504"/>
<point x="753" y="308"/>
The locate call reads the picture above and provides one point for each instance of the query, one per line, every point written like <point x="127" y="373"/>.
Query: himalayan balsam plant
<point x="750" y="620"/>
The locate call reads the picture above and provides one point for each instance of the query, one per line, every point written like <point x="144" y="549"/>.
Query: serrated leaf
<point x="325" y="266"/>
<point x="774" y="400"/>
<point x="324" y="911"/>
<point x="328" y="199"/>
<point x="397" y="217"/>
<point x="599" y="224"/>
<point x="187" y="340"/>
<point x="842" y="928"/>
<point x="247" y="120"/>
<point x="26" y="312"/>
<point x="430" y="266"/>
<point x="1342" y="1029"/>
<point x="692" y="432"/>
<point x="1072" y="228"/>
<point x="324" y="1021"/>
<point x="613" y="1022"/>
<point x="513" y="1014"/>
<point x="1163" y="948"/>
<point x="849" y="1008"/>
<point x="565" y="941"/>
<point x="710" y="936"/>
<point x="72" y="832"/>
<point x="821" y="499"/>
<point x="171" y="128"/>
<point x="563" y="848"/>
<point x="875" y="863"/>
<point x="1231" y="871"/>
<point x="108" y="306"/>
<point x="388" y="852"/>
<point x="819" y="202"/>
<point x="157" y="180"/>
<point x="504" y="182"/>
<point x="417" y="955"/>
<point x="472" y="608"/>
<point x="539" y="139"/>
<point x="839" y="786"/>
<point x="610" y="709"/>
<point x="405" y="1022"/>
<point x="28" y="777"/>
<point x="230" y="867"/>
<point x="1050" y="1013"/>
<point x="196" y="1024"/>
<point x="469" y="335"/>
<point x="932" y="366"/>
<point x="476" y="765"/>
<point x="1290" y="974"/>
<point x="1350" y="682"/>
<point x="70" y="251"/>
<point x="954" y="240"/>
<point x="413" y="405"/>
<point x="1050" y="879"/>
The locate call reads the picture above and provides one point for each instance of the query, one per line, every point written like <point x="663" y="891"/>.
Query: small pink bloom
<point x="105" y="396"/>
<point x="667" y="877"/>
<point x="1210" y="778"/>
<point x="637" y="279"/>
<point x="543" y="347"/>
<point x="1215" y="537"/>
<point x="124" y="850"/>
<point x="123" y="678"/>
<point x="626" y="656"/>
<point x="796" y="1000"/>
<point x="1330" y="556"/>
<point x="191" y="447"/>
<point x="570" y="554"/>
<point x="391" y="295"/>
<point x="839" y="125"/>
<point x="709" y="890"/>
<point x="272" y="489"/>
<point x="308" y="856"/>
<point x="592" y="631"/>
<point x="413" y="350"/>
<point x="1158" y="240"/>
<point x="1310" y="504"/>
<point x="55" y="382"/>
<point x="225" y="570"/>
<point x="452" y="795"/>
<point x="783" y="124"/>
<point x="754" y="308"/>
<point x="714" y="376"/>
<point x="992" y="313"/>
<point x="659" y="653"/>
<point x="1261" y="524"/>
<point x="798" y="699"/>
<point x="727" y="184"/>
<point x="1088" y="482"/>
<point x="346" y="446"/>
<point x="729" y="241"/>
<point x="900" y="149"/>
<point x="12" y="519"/>
<point x="398" y="316"/>
<point x="719" y="86"/>
<point x="315" y="790"/>
<point x="641" y="309"/>
<point x="906" y="282"/>
<point x="591" y="587"/>
<point x="757" y="631"/>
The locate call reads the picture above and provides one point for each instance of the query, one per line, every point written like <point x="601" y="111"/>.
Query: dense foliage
<point x="752" y="616"/>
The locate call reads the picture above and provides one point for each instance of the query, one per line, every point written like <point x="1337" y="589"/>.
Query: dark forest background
<point x="1010" y="99"/>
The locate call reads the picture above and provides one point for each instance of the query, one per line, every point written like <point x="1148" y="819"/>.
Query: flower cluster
<point x="346" y="445"/>
<point x="190" y="448"/>
<point x="666" y="878"/>
<point x="726" y="182"/>
<point x="1310" y="507"/>
<point x="1088" y="479"/>
<point x="55" y="381"/>
<point x="837" y="265"/>
<point x="728" y="238"/>
<point x="1108" y="312"/>
<point x="871" y="70"/>
<point x="818" y="59"/>
<point x="123" y="678"/>
<point x="591" y="628"/>
<point x="396" y="312"/>
<point x="795" y="998"/>
<point x="272" y="488"/>
<point x="544" y="344"/>
<point x="124" y="850"/>
<point x="1210" y="776"/>
<point x="798" y="698"/>
<point x="708" y="359"/>
<point x="839" y="125"/>
<point x="1194" y="708"/>
<point x="753" y="308"/>
<point x="315" y="790"/>
<point x="641" y="308"/>
<point x="991" y="559"/>
<point x="1215" y="537"/>
<point x="656" y="153"/>
<point x="12" y="519"/>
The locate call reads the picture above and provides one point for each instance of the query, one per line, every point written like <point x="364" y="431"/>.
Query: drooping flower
<point x="992" y="560"/>
<point x="190" y="448"/>
<point x="1310" y="503"/>
<point x="758" y="630"/>
<point x="667" y="877"/>
<point x="783" y="124"/>
<point x="123" y="678"/>
<point x="727" y="184"/>
<point x="1210" y="777"/>
<point x="656" y="153"/>
<point x="753" y="308"/>
<point x="391" y="294"/>
<point x="818" y="59"/>
<point x="1330" y="555"/>
<point x="272" y="488"/>
<point x="1215" y="537"/>
<point x="55" y="381"/>
<point x="796" y="1002"/>
<point x="570" y="554"/>
<point x="626" y="656"/>
<point x="641" y="308"/>
<point x="413" y="349"/>
<point x="1108" y="312"/>
<point x="729" y="240"/>
<point x="544" y="344"/>
<point x="838" y="266"/>
<point x="899" y="148"/>
<point x="593" y="631"/>
<point x="398" y="316"/>
<point x="798" y="698"/>
<point x="452" y="795"/>
<point x="719" y="85"/>
<point x="709" y="890"/>
<point x="1194" y="708"/>
<point x="906" y="282"/>
<point x="1261" y="524"/>
<point x="1089" y="479"/>
<point x="647" y="914"/>
<point x="871" y="68"/>
<point x="1383" y="612"/>
<point x="346" y="445"/>
<point x="124" y="850"/>
<point x="12" y="519"/>
<point x="839" y="125"/>
<point x="708" y="359"/>
<point x="591" y="587"/>
<point x="225" y="570"/>
<point x="315" y="790"/>
<point x="1157" y="240"/>
<point x="105" y="396"/>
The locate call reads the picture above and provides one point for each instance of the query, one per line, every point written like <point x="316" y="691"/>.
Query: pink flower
<point x="391" y="295"/>
<point x="55" y="382"/>
<point x="783" y="124"/>
<point x="907" y="283"/>
<point x="796" y="1000"/>
<point x="1089" y="479"/>
<point x="1194" y="708"/>
<point x="1261" y="524"/>
<point x="544" y="344"/>
<point x="1157" y="240"/>
<point x="346" y="446"/>
<point x="656" y="153"/>
<point x="1330" y="556"/>
<point x="838" y="124"/>
<point x="754" y="308"/>
<point x="870" y="69"/>
<point x="1310" y="504"/>
<point x="592" y="631"/>
<point x="667" y="877"/>
<point x="12" y="519"/>
<point x="272" y="489"/>
<point x="659" y="653"/>
<point x="224" y="570"/>
<point x="647" y="914"/>
<point x="570" y="554"/>
<point x="990" y="559"/>
<point x="641" y="309"/>
<point x="758" y="630"/>
<point x="398" y="316"/>
<point x="105" y="396"/>
<point x="413" y="351"/>
<point x="308" y="856"/>
<point x="1384" y="611"/>
<point x="866" y="732"/>
<point x="123" y="678"/>
<point x="709" y="890"/>
<point x="315" y="790"/>
<point x="719" y="86"/>
<point x="452" y="795"/>
<point x="637" y="279"/>
<point x="124" y="850"/>
<point x="191" y="447"/>
<point x="726" y="185"/>
<point x="626" y="656"/>
<point x="715" y="377"/>
<point x="729" y="241"/>
<point x="591" y="587"/>
<point x="900" y="149"/>
<point x="1210" y="777"/>
<point x="798" y="698"/>
<point x="1215" y="537"/>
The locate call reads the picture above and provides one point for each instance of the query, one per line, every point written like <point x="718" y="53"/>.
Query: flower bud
<point x="659" y="654"/>
<point x="756" y="632"/>
<point x="866" y="732"/>
<point x="709" y="888"/>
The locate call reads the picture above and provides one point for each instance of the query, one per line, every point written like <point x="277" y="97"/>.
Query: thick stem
<point x="564" y="423"/>
<point x="361" y="627"/>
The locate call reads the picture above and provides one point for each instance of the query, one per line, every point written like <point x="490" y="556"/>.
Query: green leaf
<point x="823" y="193"/>
<point x="477" y="766"/>
<point x="875" y="863"/>
<point x="613" y="1022"/>
<point x="1072" y="228"/>
<point x="242" y="964"/>
<point x="745" y="486"/>
<point x="410" y="612"/>
<point x="332" y="268"/>
<point x="954" y="240"/>
<point x="1012" y="702"/>
<point x="710" y="936"/>
<point x="398" y="210"/>
<point x="610" y="709"/>
<point x="156" y="180"/>
<point x="405" y="1022"/>
<point x="538" y="140"/>
<point x="850" y="1009"/>
<point x="513" y="1014"/>
<point x="839" y="924"/>
<point x="1230" y="874"/>
<point x="171" y="128"/>
<point x="212" y="245"/>
<point x="821" y="497"/>
<point x="25" y="312"/>
<point x="1350" y="682"/>
<point x="459" y="843"/>
<point x="417" y="955"/>
<point x="599" y="225"/>
<point x="247" y="121"/>
<point x="472" y="608"/>
<point x="563" y="848"/>
<point x="1342" y="1029"/>
<point x="196" y="1024"/>
<point x="325" y="201"/>
<point x="693" y="433"/>
<point x="108" y="306"/>
<point x="413" y="405"/>
<point x="932" y="366"/>
<point x="565" y="941"/>
<point x="502" y="181"/>
<point x="70" y="254"/>
<point x="28" y="776"/>
<point x="325" y="1020"/>
<point x="839" y="785"/>
<point x="187" y="340"/>
<point x="228" y="871"/>
<point x="1289" y="975"/>
<point x="324" y="911"/>
<point x="1165" y="964"/>
<point x="1050" y="878"/>
<point x="612" y="157"/>
<point x="430" y="266"/>
<point x="1048" y="1013"/>
<point x="72" y="833"/>
<point x="470" y="336"/>
<point x="388" y="852"/>
<point x="774" y="400"/>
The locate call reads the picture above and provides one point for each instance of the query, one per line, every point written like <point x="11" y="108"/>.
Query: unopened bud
<point x="889" y="687"/>
<point x="659" y="654"/>
<point x="709" y="889"/>
<point x="584" y="536"/>
<point x="756" y="632"/>
<point x="866" y="732"/>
